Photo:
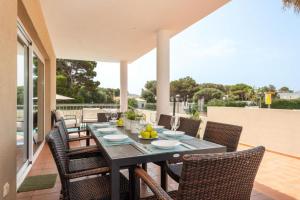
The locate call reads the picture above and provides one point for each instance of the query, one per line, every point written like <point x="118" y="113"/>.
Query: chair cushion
<point x="89" y="120"/>
<point x="172" y="194"/>
<point x="70" y="123"/>
<point x="96" y="188"/>
<point x="81" y="164"/>
<point x="59" y="114"/>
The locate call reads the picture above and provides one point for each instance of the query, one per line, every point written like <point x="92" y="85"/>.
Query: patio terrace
<point x="277" y="179"/>
<point x="116" y="31"/>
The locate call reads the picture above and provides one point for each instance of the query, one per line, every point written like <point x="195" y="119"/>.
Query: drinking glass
<point x="107" y="115"/>
<point x="175" y="123"/>
<point x="153" y="119"/>
<point x="114" y="115"/>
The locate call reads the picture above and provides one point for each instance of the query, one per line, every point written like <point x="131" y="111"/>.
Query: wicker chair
<point x="77" y="130"/>
<point x="223" y="134"/>
<point x="212" y="176"/>
<point x="101" y="117"/>
<point x="164" y="120"/>
<point x="80" y="160"/>
<point x="189" y="126"/>
<point x="78" y="151"/>
<point x="83" y="189"/>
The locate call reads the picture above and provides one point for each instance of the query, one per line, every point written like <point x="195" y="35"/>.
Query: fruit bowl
<point x="151" y="138"/>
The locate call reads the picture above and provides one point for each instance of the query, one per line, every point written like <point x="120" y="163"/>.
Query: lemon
<point x="120" y="122"/>
<point x="149" y="128"/>
<point x="153" y="134"/>
<point x="145" y="134"/>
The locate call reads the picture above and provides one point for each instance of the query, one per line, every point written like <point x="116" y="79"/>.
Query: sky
<point x="246" y="41"/>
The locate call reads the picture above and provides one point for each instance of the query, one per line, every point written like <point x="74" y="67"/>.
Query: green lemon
<point x="153" y="134"/>
<point x="120" y="122"/>
<point x="149" y="127"/>
<point x="145" y="134"/>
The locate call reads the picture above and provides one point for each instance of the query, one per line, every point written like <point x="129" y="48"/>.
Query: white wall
<point x="278" y="130"/>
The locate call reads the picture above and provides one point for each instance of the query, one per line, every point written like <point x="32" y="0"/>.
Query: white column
<point x="123" y="86"/>
<point x="163" y="72"/>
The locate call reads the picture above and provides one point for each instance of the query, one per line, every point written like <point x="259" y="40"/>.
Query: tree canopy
<point x="208" y="94"/>
<point x="75" y="78"/>
<point x="149" y="91"/>
<point x="295" y="4"/>
<point x="240" y="91"/>
<point x="185" y="87"/>
<point x="285" y="89"/>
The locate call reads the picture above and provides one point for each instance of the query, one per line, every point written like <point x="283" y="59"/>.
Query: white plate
<point x="158" y="127"/>
<point x="165" y="144"/>
<point x="107" y="130"/>
<point x="174" y="133"/>
<point x="101" y="125"/>
<point x="147" y="138"/>
<point x="113" y="121"/>
<point x="115" y="138"/>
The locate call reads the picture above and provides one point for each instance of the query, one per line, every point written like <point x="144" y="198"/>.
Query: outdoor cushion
<point x="90" y="114"/>
<point x="59" y="114"/>
<point x="89" y="120"/>
<point x="70" y="123"/>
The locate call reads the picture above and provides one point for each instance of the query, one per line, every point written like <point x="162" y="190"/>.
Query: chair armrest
<point x="90" y="172"/>
<point x="76" y="131"/>
<point x="82" y="151"/>
<point x="155" y="188"/>
<point x="79" y="138"/>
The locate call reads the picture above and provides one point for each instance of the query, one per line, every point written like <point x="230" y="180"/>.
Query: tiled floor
<point x="278" y="178"/>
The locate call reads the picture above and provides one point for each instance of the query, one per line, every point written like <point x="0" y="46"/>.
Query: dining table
<point x="135" y="151"/>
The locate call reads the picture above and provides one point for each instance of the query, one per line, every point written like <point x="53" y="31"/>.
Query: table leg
<point x="88" y="140"/>
<point x="134" y="185"/>
<point x="144" y="166"/>
<point x="163" y="176"/>
<point x="115" y="182"/>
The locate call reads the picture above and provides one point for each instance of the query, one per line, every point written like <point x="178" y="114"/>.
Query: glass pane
<point x="38" y="102"/>
<point x="21" y="122"/>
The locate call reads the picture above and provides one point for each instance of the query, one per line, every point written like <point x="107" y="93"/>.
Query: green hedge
<point x="226" y="103"/>
<point x="284" y="104"/>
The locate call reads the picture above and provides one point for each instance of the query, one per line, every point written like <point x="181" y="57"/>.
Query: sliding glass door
<point x="38" y="102"/>
<point x="22" y="104"/>
<point x="30" y="103"/>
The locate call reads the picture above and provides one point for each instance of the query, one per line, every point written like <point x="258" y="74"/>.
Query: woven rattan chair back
<point x="63" y="134"/>
<point x="189" y="126"/>
<point x="223" y="134"/>
<point x="164" y="120"/>
<point x="101" y="117"/>
<point x="219" y="176"/>
<point x="61" y="160"/>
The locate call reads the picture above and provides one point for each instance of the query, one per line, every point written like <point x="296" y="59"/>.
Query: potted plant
<point x="132" y="120"/>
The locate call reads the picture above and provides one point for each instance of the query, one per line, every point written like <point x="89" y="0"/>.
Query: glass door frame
<point x="24" y="37"/>
<point x="21" y="38"/>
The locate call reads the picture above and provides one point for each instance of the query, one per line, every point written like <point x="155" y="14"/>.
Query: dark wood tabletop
<point x="129" y="155"/>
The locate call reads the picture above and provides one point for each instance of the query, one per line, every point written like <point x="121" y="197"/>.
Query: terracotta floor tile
<point x="277" y="178"/>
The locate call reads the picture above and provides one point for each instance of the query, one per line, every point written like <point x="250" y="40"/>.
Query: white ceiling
<point x="114" y="30"/>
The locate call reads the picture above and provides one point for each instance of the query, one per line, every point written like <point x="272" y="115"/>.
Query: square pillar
<point x="123" y="86"/>
<point x="163" y="72"/>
